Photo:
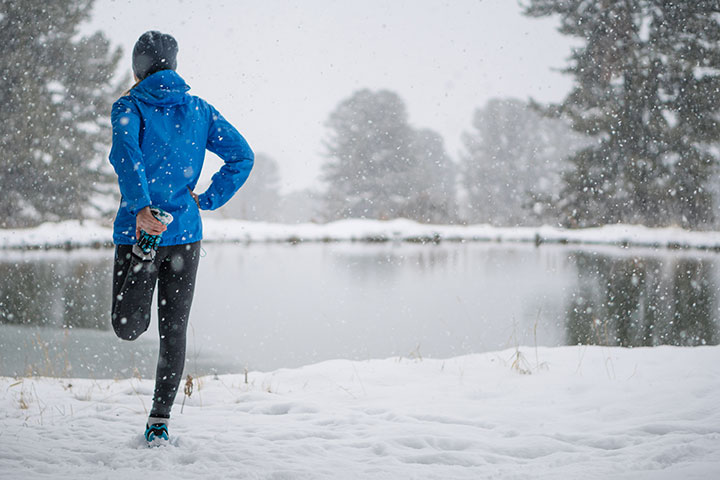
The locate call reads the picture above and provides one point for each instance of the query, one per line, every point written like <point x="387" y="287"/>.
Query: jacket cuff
<point x="204" y="202"/>
<point x="139" y="205"/>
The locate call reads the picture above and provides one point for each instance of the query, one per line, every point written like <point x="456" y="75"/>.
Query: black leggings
<point x="174" y="269"/>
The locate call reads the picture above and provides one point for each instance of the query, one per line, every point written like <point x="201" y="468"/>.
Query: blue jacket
<point x="160" y="133"/>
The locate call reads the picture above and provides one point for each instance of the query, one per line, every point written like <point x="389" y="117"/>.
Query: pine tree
<point x="430" y="184"/>
<point x="381" y="167"/>
<point x="512" y="164"/>
<point x="647" y="85"/>
<point x="55" y="96"/>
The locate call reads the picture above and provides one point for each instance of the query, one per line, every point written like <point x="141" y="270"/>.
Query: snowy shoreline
<point x="566" y="412"/>
<point x="74" y="234"/>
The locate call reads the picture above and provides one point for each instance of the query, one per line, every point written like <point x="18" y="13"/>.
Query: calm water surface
<point x="271" y="306"/>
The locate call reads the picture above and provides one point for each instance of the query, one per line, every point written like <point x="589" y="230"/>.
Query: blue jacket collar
<point x="163" y="88"/>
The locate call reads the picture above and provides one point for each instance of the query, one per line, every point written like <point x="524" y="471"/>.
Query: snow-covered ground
<point x="561" y="413"/>
<point x="71" y="234"/>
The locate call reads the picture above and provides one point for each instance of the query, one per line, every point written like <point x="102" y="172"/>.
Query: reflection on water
<point x="55" y="290"/>
<point x="642" y="301"/>
<point x="270" y="306"/>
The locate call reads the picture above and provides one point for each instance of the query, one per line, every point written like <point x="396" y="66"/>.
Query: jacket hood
<point x="164" y="88"/>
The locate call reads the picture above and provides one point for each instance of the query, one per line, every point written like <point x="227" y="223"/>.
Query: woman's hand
<point x="195" y="197"/>
<point x="145" y="220"/>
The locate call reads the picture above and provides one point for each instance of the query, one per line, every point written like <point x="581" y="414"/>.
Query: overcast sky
<point x="276" y="69"/>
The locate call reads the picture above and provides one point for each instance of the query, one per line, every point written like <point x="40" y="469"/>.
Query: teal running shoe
<point x="146" y="246"/>
<point x="156" y="434"/>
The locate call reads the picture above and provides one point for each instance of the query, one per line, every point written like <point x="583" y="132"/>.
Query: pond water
<point x="268" y="306"/>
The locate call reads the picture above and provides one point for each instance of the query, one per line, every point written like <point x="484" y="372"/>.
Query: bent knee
<point x="126" y="330"/>
<point x="128" y="335"/>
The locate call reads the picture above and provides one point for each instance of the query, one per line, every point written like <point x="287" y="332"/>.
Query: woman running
<point x="160" y="134"/>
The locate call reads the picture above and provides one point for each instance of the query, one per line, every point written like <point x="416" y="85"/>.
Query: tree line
<point x="635" y="140"/>
<point x="379" y="166"/>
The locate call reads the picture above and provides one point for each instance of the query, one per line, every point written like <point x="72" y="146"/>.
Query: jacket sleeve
<point x="227" y="143"/>
<point x="126" y="156"/>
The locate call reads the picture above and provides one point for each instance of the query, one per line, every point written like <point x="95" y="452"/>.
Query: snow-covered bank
<point x="580" y="412"/>
<point x="73" y="234"/>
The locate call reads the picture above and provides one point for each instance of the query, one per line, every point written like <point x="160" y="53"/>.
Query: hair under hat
<point x="154" y="51"/>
